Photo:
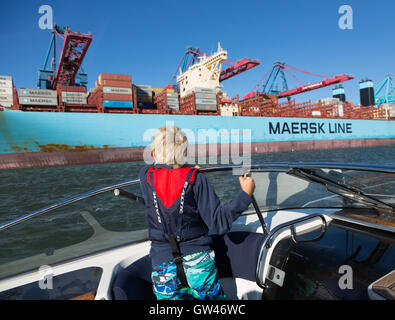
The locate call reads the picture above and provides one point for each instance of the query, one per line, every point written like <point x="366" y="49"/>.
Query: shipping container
<point x="7" y="78"/>
<point x="206" y="101"/>
<point x="143" y="90"/>
<point x="203" y="95"/>
<point x="61" y="88"/>
<point x="147" y="105"/>
<point x="115" y="83"/>
<point x="6" y="98"/>
<point x="143" y="86"/>
<point x="38" y="101"/>
<point x="37" y="93"/>
<point x="6" y="90"/>
<point x="67" y="94"/>
<point x="143" y="93"/>
<point x="74" y="100"/>
<point x="206" y="107"/>
<point x="172" y="95"/>
<point x="202" y="90"/>
<point x="174" y="106"/>
<point x="172" y="100"/>
<point x="117" y="104"/>
<point x="114" y="76"/>
<point x="144" y="98"/>
<point x="6" y="83"/>
<point x="117" y="97"/>
<point x="117" y="90"/>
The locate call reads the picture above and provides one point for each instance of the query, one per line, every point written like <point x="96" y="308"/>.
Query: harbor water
<point x="25" y="190"/>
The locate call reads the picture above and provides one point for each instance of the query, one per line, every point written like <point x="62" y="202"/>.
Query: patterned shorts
<point x="201" y="274"/>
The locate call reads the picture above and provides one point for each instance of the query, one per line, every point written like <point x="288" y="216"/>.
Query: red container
<point x="116" y="83"/>
<point x="114" y="76"/>
<point x="71" y="88"/>
<point x="117" y="97"/>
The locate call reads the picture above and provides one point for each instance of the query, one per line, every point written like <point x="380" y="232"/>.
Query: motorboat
<point x="313" y="231"/>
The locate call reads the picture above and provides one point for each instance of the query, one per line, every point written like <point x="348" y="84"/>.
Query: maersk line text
<point x="309" y="127"/>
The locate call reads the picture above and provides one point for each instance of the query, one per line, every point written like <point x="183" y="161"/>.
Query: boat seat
<point x="236" y="257"/>
<point x="134" y="282"/>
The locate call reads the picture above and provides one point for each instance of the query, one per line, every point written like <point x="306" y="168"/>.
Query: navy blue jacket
<point x="218" y="218"/>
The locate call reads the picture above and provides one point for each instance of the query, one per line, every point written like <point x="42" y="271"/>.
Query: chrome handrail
<point x="267" y="242"/>
<point x="284" y="166"/>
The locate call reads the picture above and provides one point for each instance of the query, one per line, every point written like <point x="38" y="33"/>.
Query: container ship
<point x="61" y="122"/>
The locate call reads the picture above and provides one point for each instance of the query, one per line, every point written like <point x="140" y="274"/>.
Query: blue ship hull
<point x="36" y="139"/>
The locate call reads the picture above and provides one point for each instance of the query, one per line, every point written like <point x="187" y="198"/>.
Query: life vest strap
<point x="178" y="261"/>
<point x="173" y="241"/>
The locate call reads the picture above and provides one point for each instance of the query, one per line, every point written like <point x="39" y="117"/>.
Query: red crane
<point x="280" y="70"/>
<point x="316" y="85"/>
<point x="75" y="46"/>
<point x="237" y="68"/>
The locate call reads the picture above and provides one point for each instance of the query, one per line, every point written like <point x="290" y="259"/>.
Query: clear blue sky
<point x="148" y="38"/>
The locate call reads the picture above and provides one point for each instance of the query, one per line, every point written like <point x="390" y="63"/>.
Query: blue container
<point x="117" y="104"/>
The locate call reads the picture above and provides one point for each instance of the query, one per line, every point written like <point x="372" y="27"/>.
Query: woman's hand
<point x="247" y="184"/>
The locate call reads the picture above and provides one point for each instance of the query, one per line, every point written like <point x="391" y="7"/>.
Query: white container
<point x="205" y="95"/>
<point x="38" y="101"/>
<point x="5" y="83"/>
<point x="67" y="94"/>
<point x="6" y="100"/>
<point x="39" y="93"/>
<point x="206" y="101"/>
<point x="117" y="90"/>
<point x="202" y="90"/>
<point x="172" y="95"/>
<point x="6" y="91"/>
<point x="6" y="78"/>
<point x="206" y="107"/>
<point x="75" y="100"/>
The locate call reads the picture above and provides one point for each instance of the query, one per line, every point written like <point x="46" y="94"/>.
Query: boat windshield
<point x="284" y="190"/>
<point x="98" y="221"/>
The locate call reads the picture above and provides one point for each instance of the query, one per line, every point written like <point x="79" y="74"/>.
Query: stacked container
<point x="113" y="92"/>
<point x="6" y="91"/>
<point x="205" y="99"/>
<point x="187" y="105"/>
<point x="144" y="96"/>
<point x="72" y="95"/>
<point x="259" y="105"/>
<point x="167" y="101"/>
<point x="38" y="97"/>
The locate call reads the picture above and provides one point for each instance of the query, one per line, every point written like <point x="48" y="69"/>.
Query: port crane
<point x="192" y="55"/>
<point x="385" y="92"/>
<point x="68" y="69"/>
<point x="280" y="71"/>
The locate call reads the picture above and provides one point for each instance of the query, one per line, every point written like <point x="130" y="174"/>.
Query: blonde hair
<point x="169" y="146"/>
